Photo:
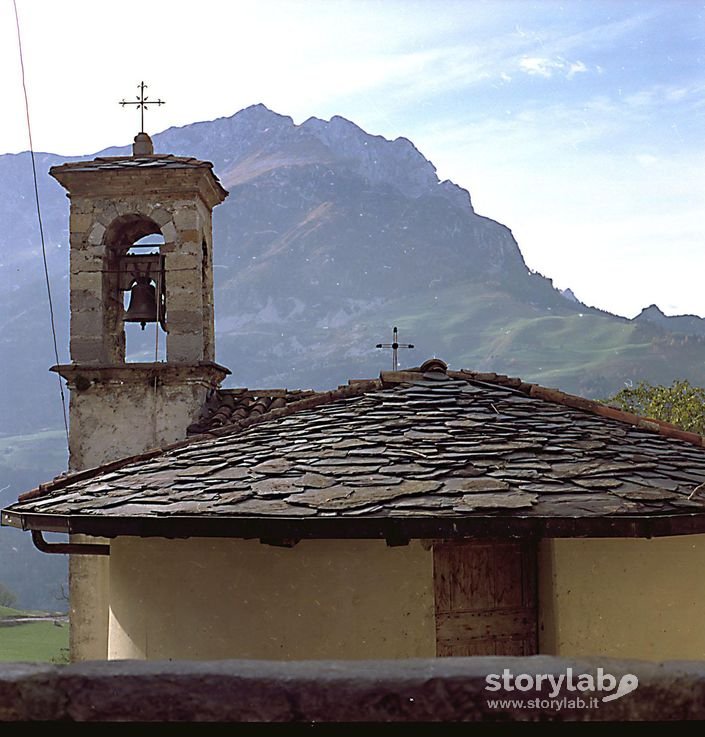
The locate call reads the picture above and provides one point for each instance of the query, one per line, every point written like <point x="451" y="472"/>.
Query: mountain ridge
<point x="325" y="224"/>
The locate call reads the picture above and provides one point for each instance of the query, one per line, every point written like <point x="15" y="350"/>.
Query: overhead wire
<point x="39" y="219"/>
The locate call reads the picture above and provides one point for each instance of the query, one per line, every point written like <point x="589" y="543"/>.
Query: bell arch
<point x="134" y="273"/>
<point x="116" y="201"/>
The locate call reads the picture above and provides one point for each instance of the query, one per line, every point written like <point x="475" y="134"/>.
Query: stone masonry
<point x="327" y="692"/>
<point x="111" y="208"/>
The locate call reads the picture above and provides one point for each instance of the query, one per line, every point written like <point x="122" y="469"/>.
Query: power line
<point x="39" y="219"/>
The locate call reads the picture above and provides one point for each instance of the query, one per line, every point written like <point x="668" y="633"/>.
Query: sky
<point x="578" y="124"/>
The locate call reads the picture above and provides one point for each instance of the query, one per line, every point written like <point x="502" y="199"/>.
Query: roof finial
<point x="142" y="101"/>
<point x="395" y="345"/>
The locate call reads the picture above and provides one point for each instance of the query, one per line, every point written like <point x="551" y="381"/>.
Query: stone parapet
<point x="320" y="692"/>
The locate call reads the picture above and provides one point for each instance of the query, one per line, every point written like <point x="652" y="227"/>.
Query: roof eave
<point x="395" y="530"/>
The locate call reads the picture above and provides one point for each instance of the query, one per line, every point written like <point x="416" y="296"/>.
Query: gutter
<point x="399" y="530"/>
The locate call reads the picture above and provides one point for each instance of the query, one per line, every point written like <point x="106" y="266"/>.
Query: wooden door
<point x="485" y="597"/>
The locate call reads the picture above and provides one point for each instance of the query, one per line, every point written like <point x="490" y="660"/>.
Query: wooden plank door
<point x="485" y="597"/>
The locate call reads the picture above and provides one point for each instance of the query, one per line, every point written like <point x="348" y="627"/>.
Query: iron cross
<point x="142" y="102"/>
<point x="395" y="345"/>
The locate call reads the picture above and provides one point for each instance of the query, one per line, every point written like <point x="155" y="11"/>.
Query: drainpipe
<point x="68" y="548"/>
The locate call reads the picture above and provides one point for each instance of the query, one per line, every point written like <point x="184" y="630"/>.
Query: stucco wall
<point x="211" y="599"/>
<point x="89" y="579"/>
<point x="113" y="419"/>
<point x="623" y="598"/>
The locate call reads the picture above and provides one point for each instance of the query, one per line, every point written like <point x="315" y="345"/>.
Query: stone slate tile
<point x="228" y="498"/>
<point x="254" y="507"/>
<point x="635" y="492"/>
<point x="346" y="497"/>
<point x="546" y="488"/>
<point x="275" y="467"/>
<point x="592" y="468"/>
<point x="373" y="479"/>
<point x="315" y="481"/>
<point x="577" y="505"/>
<point x="474" y="485"/>
<point x="341" y="471"/>
<point x="274" y="487"/>
<point x="398" y="511"/>
<point x="510" y="500"/>
<point x="599" y="483"/>
<point x="231" y="472"/>
<point x="405" y="469"/>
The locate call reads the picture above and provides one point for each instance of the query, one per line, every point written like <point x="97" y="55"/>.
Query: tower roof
<point x="423" y="453"/>
<point x="148" y="161"/>
<point x="111" y="174"/>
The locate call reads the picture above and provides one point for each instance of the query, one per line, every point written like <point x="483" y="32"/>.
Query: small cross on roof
<point x="395" y="345"/>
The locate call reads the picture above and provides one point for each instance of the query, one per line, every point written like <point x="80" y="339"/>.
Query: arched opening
<point x="135" y="271"/>
<point x="144" y="342"/>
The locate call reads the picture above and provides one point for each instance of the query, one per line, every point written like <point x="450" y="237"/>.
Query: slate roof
<point x="151" y="161"/>
<point x="424" y="453"/>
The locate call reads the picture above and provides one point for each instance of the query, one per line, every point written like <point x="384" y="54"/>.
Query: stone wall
<point x="106" y="218"/>
<point x="444" y="689"/>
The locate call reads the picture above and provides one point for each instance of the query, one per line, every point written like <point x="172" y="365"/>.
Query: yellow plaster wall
<point x="210" y="599"/>
<point x="623" y="598"/>
<point x="89" y="579"/>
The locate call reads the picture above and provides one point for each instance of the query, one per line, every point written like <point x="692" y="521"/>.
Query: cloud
<point x="577" y="67"/>
<point x="537" y="66"/>
<point x="545" y="67"/>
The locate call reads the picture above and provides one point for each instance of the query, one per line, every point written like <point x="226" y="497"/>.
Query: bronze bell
<point x="143" y="302"/>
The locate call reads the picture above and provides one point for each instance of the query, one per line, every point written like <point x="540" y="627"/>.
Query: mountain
<point x="677" y="324"/>
<point x="330" y="236"/>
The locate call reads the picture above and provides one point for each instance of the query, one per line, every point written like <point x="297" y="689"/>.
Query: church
<point x="424" y="512"/>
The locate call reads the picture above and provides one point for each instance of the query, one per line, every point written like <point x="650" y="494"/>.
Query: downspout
<point x="68" y="548"/>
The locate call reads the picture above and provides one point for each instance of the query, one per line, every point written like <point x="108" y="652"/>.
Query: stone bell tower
<point x="121" y="408"/>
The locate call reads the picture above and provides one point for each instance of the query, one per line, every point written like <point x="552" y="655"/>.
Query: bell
<point x="143" y="302"/>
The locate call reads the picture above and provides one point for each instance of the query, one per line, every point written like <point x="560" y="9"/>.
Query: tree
<point x="680" y="404"/>
<point x="7" y="597"/>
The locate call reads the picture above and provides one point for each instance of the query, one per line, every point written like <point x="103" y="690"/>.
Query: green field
<point x="7" y="612"/>
<point x="42" y="641"/>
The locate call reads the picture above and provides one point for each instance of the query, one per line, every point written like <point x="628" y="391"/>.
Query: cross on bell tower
<point x="395" y="345"/>
<point x="141" y="102"/>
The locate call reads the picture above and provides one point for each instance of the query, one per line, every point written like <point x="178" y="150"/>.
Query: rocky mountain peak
<point x="651" y="312"/>
<point x="396" y="163"/>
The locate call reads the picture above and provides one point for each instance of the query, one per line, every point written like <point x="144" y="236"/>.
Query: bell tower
<point x="120" y="408"/>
